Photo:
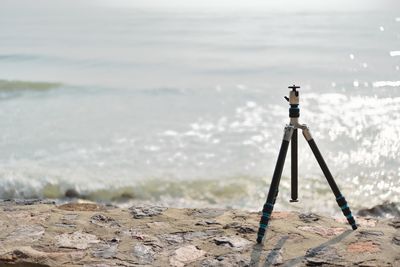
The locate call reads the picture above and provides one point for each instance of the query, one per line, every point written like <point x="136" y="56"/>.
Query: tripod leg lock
<point x="346" y="211"/>
<point x="266" y="215"/>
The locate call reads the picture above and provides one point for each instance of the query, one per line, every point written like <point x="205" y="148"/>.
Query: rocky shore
<point x="40" y="233"/>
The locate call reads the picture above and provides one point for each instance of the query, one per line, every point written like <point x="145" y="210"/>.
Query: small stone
<point x="235" y="242"/>
<point x="322" y="231"/>
<point x="146" y="211"/>
<point x="185" y="255"/>
<point x="309" y="217"/>
<point x="144" y="254"/>
<point x="72" y="193"/>
<point x="363" y="246"/>
<point x="76" y="240"/>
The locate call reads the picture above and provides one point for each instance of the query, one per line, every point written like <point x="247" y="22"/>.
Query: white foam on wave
<point x="386" y="83"/>
<point x="394" y="53"/>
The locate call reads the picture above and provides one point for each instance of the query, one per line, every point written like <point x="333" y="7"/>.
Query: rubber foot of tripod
<point x="293" y="200"/>
<point x="354" y="226"/>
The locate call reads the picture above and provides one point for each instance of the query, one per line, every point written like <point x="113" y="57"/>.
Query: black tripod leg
<point x="294" y="167"/>
<point x="339" y="197"/>
<point x="273" y="190"/>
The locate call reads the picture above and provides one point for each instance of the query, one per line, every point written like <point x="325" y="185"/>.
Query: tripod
<point x="290" y="134"/>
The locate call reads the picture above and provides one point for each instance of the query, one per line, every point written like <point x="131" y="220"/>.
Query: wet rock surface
<point x="35" y="233"/>
<point x="389" y="209"/>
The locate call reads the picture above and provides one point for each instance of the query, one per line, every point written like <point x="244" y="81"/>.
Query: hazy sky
<point x="270" y="5"/>
<point x="281" y="5"/>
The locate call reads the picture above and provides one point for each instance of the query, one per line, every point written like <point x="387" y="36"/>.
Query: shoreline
<point x="41" y="233"/>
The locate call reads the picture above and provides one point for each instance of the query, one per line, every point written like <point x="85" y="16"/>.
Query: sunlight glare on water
<point x="185" y="107"/>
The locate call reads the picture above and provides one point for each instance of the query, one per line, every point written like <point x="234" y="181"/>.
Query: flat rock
<point x="77" y="240"/>
<point x="185" y="255"/>
<point x="146" y="211"/>
<point x="26" y="233"/>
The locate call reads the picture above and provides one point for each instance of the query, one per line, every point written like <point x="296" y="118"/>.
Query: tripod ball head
<point x="294" y="95"/>
<point x="294" y="100"/>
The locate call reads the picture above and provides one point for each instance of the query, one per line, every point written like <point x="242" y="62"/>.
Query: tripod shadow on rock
<point x="273" y="255"/>
<point x="316" y="250"/>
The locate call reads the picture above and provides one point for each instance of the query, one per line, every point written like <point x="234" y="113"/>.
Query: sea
<point x="179" y="105"/>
